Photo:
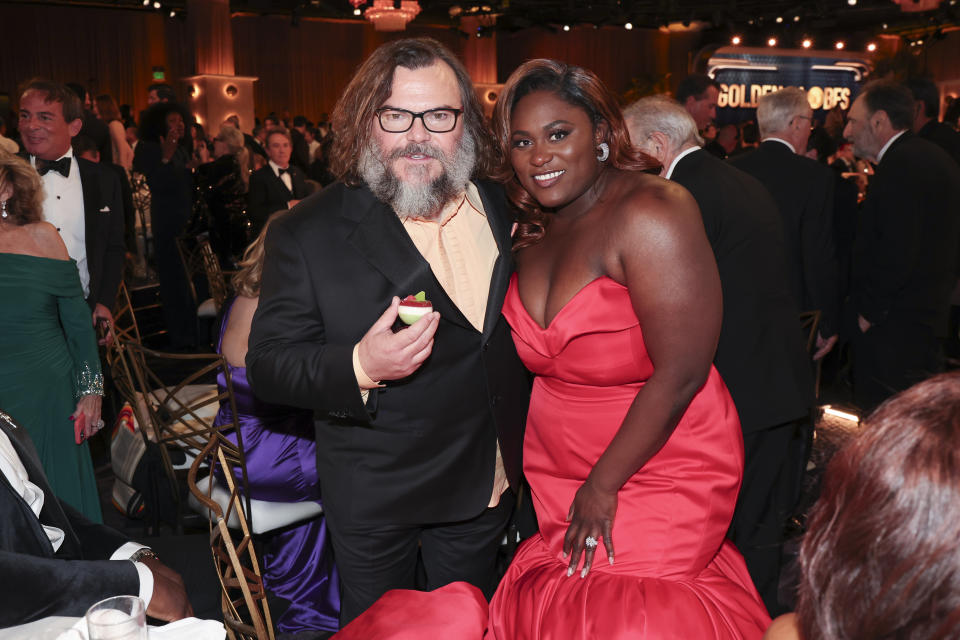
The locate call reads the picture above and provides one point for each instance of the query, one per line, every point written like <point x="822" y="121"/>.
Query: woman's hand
<point x="591" y="516"/>
<point x="86" y="417"/>
<point x="168" y="146"/>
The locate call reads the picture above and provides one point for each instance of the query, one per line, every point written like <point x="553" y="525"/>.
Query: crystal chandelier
<point x="387" y="15"/>
<point x="917" y="5"/>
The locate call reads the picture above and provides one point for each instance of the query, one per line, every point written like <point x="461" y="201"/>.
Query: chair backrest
<point x="198" y="260"/>
<point x="809" y="323"/>
<point x="211" y="266"/>
<point x="246" y="613"/>
<point x="176" y="400"/>
<point x="125" y="327"/>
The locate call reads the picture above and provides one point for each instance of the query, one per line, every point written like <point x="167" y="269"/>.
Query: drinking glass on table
<point x="117" y="618"/>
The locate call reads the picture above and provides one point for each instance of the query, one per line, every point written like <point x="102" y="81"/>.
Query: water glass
<point x="117" y="618"/>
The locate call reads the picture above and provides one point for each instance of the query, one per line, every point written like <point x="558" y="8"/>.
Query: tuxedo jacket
<point x="103" y="226"/>
<point x="38" y="582"/>
<point x="268" y="194"/>
<point x="944" y="136"/>
<point x="760" y="354"/>
<point x="803" y="190"/>
<point x="421" y="449"/>
<point x="906" y="249"/>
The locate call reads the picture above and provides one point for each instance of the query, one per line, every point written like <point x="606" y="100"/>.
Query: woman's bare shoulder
<point x="783" y="628"/>
<point x="646" y="199"/>
<point x="46" y="240"/>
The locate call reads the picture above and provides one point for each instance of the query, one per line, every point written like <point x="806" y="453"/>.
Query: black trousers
<point x="774" y="463"/>
<point x="372" y="559"/>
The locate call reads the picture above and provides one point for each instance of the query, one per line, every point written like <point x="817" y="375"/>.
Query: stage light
<point x="871" y="47"/>
<point x="779" y="19"/>
<point x="173" y="14"/>
<point x="566" y="27"/>
<point x="807" y="43"/>
<point x="885" y="25"/>
<point x="156" y="5"/>
<point x="628" y="26"/>
<point x="796" y="18"/>
<point x="839" y="45"/>
<point x="357" y="12"/>
<point x="736" y="40"/>
<point x="146" y="3"/>
<point x="919" y="43"/>
<point x="852" y="3"/>
<point x="772" y="42"/>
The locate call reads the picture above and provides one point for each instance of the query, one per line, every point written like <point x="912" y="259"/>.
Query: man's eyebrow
<point x="443" y="106"/>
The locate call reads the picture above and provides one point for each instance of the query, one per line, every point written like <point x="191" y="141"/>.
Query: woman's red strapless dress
<point x="675" y="575"/>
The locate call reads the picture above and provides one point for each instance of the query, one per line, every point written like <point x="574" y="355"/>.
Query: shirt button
<point x="58" y="197"/>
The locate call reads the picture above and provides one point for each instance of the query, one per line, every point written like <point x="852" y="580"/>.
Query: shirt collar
<point x="792" y="148"/>
<point x="680" y="156"/>
<point x="276" y="168"/>
<point x="68" y="154"/>
<point x="468" y="200"/>
<point x="887" y="145"/>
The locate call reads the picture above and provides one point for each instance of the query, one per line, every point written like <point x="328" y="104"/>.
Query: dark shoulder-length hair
<point x="153" y="123"/>
<point x="25" y="204"/>
<point x="107" y="107"/>
<point x="355" y="112"/>
<point x="881" y="558"/>
<point x="579" y="87"/>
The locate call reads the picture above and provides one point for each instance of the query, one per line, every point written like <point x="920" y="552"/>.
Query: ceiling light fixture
<point x="736" y="40"/>
<point x="840" y="45"/>
<point x="566" y="27"/>
<point x="628" y="26"/>
<point x="772" y="42"/>
<point x="807" y="43"/>
<point x="871" y="47"/>
<point x="386" y="15"/>
<point x="779" y="19"/>
<point x="156" y="5"/>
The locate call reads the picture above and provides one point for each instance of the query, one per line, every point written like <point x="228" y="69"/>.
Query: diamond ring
<point x="98" y="424"/>
<point x="590" y="542"/>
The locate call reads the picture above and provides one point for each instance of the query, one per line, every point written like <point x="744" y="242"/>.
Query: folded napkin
<point x="186" y="629"/>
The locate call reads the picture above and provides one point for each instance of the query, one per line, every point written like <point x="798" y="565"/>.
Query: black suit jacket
<point x="422" y="449"/>
<point x="38" y="582"/>
<point x="944" y="136"/>
<point x="103" y="226"/>
<point x="268" y="194"/>
<point x="760" y="355"/>
<point x="905" y="255"/>
<point x="803" y="190"/>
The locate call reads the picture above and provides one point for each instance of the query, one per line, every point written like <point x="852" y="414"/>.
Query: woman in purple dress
<point x="280" y="450"/>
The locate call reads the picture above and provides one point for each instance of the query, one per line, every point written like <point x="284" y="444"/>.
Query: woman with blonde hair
<point x="109" y="112"/>
<point x="50" y="368"/>
<point x="223" y="183"/>
<point x="280" y="449"/>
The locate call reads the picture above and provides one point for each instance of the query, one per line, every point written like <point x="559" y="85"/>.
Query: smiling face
<point x="553" y="149"/>
<point x="46" y="133"/>
<point x="411" y="155"/>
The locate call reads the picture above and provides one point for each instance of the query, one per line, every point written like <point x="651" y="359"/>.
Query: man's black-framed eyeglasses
<point x="439" y="120"/>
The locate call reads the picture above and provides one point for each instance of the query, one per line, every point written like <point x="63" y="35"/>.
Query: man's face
<point x="704" y="109"/>
<point x="408" y="154"/>
<point x="278" y="150"/>
<point x="152" y="97"/>
<point x="860" y="132"/>
<point x="45" y="132"/>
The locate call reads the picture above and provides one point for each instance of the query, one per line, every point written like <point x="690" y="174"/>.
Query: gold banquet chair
<point x="180" y="415"/>
<point x="246" y="613"/>
<point x="198" y="260"/>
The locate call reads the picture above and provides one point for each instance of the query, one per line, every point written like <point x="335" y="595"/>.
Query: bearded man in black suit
<point x="277" y="186"/>
<point x="905" y="255"/>
<point x="82" y="199"/>
<point x="760" y="354"/>
<point x="803" y="190"/>
<point x="420" y="428"/>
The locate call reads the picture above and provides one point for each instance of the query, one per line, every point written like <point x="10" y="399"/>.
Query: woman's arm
<point x="660" y="251"/>
<point x="122" y="153"/>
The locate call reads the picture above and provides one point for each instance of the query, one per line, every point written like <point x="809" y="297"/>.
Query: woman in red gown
<point x="633" y="448"/>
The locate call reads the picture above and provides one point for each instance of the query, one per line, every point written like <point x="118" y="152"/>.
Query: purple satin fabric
<point x="280" y="447"/>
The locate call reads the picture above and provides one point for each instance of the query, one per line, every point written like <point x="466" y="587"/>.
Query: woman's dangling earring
<point x="604" y="152"/>
<point x="3" y="210"/>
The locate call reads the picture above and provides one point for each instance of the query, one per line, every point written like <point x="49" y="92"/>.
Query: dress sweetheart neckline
<point x="515" y="282"/>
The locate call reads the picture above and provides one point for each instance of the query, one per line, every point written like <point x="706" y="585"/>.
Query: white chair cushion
<point x="265" y="516"/>
<point x="207" y="309"/>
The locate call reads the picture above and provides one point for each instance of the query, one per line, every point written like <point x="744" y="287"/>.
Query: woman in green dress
<point x="50" y="379"/>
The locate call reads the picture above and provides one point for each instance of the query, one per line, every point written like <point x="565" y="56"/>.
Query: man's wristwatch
<point x="143" y="553"/>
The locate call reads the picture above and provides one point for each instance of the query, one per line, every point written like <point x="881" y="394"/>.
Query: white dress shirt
<point x="16" y="474"/>
<point x="792" y="148"/>
<point x="63" y="208"/>
<point x="285" y="177"/>
<point x="887" y="145"/>
<point x="680" y="156"/>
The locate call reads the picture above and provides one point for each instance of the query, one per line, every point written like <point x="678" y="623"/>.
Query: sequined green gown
<point x="48" y="359"/>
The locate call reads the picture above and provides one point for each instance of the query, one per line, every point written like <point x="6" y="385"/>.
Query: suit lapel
<point x="380" y="237"/>
<point x="496" y="210"/>
<point x="280" y="184"/>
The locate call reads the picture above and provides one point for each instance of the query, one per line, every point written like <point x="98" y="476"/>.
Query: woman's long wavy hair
<point x="880" y="558"/>
<point x="246" y="281"/>
<point x="25" y="204"/>
<point x="355" y="112"/>
<point x="579" y="87"/>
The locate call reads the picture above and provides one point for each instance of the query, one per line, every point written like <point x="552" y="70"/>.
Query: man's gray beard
<point x="423" y="199"/>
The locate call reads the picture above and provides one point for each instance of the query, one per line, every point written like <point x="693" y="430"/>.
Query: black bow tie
<point x="61" y="166"/>
<point x="280" y="171"/>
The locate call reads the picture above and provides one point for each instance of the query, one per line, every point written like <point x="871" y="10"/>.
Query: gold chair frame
<point x="234" y="556"/>
<point x="198" y="257"/>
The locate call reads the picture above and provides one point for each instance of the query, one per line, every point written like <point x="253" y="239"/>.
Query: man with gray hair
<point x="760" y="354"/>
<point x="803" y="191"/>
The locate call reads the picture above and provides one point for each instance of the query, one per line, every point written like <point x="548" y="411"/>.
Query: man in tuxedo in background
<point x="58" y="563"/>
<point x="301" y="148"/>
<point x="160" y="92"/>
<point x="803" y="190"/>
<point x="277" y="186"/>
<point x="926" y="118"/>
<point x="905" y="254"/>
<point x="760" y="354"/>
<point x="421" y="426"/>
<point x="81" y="199"/>
<point x="698" y="93"/>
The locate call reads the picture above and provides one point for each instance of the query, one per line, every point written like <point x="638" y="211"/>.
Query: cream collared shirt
<point x="461" y="251"/>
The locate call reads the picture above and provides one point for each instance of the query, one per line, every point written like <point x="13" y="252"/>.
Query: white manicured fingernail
<point x="569" y="571"/>
<point x="583" y="573"/>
